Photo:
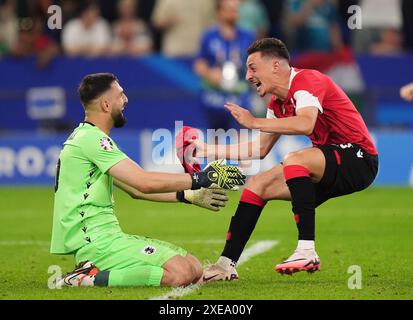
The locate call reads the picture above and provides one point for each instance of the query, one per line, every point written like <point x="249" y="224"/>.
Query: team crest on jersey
<point x="106" y="144"/>
<point x="149" y="250"/>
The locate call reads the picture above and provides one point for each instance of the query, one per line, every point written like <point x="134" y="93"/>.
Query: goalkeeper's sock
<point x="102" y="279"/>
<point x="243" y="224"/>
<point x="303" y="200"/>
<point x="130" y="277"/>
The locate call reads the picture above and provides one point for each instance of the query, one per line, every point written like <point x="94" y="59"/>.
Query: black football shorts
<point x="348" y="169"/>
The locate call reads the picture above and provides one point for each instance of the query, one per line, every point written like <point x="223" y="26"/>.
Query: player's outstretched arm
<point x="130" y="173"/>
<point x="212" y="199"/>
<point x="248" y="150"/>
<point x="301" y="124"/>
<point x="136" y="194"/>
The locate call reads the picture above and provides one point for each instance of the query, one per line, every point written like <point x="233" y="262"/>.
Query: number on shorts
<point x="346" y="145"/>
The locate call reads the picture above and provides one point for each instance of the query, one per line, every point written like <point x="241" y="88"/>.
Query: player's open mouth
<point x="258" y="85"/>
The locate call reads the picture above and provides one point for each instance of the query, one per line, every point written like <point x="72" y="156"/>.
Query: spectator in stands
<point x="89" y="35"/>
<point x="33" y="41"/>
<point x="145" y="12"/>
<point x="69" y="12"/>
<point x="342" y="10"/>
<point x="315" y="24"/>
<point x="131" y="35"/>
<point x="8" y="26"/>
<point x="254" y="18"/>
<point x="182" y="23"/>
<point x="378" y="17"/>
<point x="406" y="92"/>
<point x="220" y="64"/>
<point x="390" y="43"/>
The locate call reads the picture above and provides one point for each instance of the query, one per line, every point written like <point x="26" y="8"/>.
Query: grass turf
<point x="371" y="229"/>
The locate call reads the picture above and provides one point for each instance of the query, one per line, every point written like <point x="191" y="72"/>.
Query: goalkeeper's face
<point x="118" y="101"/>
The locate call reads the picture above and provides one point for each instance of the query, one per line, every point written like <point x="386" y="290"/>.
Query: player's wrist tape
<point x="180" y="196"/>
<point x="200" y="180"/>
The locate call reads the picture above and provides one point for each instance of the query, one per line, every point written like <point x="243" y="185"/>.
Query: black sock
<point x="102" y="279"/>
<point x="240" y="229"/>
<point x="303" y="201"/>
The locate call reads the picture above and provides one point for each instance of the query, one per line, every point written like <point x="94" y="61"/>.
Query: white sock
<point x="226" y="263"/>
<point x="306" y="244"/>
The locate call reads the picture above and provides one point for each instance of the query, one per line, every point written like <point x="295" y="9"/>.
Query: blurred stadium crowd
<point x="175" y="27"/>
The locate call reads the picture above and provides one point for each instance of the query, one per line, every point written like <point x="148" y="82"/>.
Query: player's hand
<point x="212" y="199"/>
<point x="243" y="116"/>
<point x="217" y="173"/>
<point x="200" y="147"/>
<point x="406" y="92"/>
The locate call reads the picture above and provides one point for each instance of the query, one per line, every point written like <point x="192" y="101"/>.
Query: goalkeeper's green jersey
<point x="83" y="189"/>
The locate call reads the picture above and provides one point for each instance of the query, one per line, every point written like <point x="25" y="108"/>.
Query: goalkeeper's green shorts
<point x="120" y="251"/>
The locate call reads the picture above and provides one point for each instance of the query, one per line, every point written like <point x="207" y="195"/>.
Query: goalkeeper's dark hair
<point x="270" y="47"/>
<point x="94" y="85"/>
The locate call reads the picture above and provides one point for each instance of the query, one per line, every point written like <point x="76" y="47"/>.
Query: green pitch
<point x="372" y="229"/>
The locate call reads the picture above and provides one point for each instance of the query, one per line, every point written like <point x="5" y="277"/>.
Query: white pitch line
<point x="256" y="249"/>
<point x="24" y="243"/>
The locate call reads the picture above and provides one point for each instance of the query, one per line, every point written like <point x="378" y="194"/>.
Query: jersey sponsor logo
<point x="106" y="144"/>
<point x="148" y="250"/>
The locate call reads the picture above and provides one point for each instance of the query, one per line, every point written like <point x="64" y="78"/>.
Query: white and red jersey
<point x="338" y="120"/>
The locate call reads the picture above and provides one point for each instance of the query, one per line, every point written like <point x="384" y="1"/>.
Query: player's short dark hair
<point x="270" y="47"/>
<point x="93" y="85"/>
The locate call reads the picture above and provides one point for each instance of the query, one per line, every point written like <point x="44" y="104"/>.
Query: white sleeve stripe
<point x="271" y="114"/>
<point x="305" y="99"/>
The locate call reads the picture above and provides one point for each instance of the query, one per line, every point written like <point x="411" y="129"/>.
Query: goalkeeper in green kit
<point x="84" y="222"/>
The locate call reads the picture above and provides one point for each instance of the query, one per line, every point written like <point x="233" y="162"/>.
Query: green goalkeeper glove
<point x="211" y="199"/>
<point x="226" y="177"/>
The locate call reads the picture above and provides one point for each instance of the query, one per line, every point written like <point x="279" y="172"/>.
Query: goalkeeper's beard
<point x="119" y="120"/>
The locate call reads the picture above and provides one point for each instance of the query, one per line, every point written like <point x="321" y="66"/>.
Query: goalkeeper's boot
<point x="83" y="276"/>
<point x="300" y="260"/>
<point x="223" y="269"/>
